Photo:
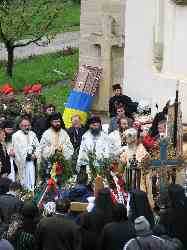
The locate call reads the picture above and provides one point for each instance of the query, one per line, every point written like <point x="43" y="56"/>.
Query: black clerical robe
<point x="40" y="125"/>
<point x="123" y="100"/>
<point x="5" y="166"/>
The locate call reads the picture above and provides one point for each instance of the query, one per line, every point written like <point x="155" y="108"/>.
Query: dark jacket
<point x="58" y="233"/>
<point x="146" y="242"/>
<point x="40" y="125"/>
<point x="124" y="100"/>
<point x="115" y="235"/>
<point x="76" y="136"/>
<point x="5" y="166"/>
<point x="9" y="204"/>
<point x="92" y="225"/>
<point x="3" y="228"/>
<point x="175" y="223"/>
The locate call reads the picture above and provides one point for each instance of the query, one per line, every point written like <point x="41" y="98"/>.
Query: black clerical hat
<point x="94" y="119"/>
<point x="116" y="86"/>
<point x="56" y="116"/>
<point x="8" y="124"/>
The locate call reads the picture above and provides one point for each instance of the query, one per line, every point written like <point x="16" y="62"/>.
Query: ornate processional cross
<point x="164" y="164"/>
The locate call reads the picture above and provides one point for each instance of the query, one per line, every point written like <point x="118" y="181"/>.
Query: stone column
<point x="100" y="41"/>
<point x="106" y="64"/>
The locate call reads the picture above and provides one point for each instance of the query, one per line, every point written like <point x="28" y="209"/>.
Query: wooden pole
<point x="176" y="115"/>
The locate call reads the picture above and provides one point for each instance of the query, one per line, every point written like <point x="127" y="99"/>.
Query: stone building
<point x="102" y="43"/>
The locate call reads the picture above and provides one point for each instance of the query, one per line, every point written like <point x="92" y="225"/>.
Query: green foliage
<point x="98" y="166"/>
<point x="57" y="95"/>
<point x="58" y="159"/>
<point x="32" y="20"/>
<point x="28" y="18"/>
<point x="41" y="69"/>
<point x="76" y="1"/>
<point x="17" y="22"/>
<point x="70" y="20"/>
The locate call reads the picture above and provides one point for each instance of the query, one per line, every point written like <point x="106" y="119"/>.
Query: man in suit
<point x="75" y="133"/>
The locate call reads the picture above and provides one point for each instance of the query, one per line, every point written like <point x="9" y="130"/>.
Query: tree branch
<point x="43" y="44"/>
<point x="28" y="42"/>
<point x="37" y="38"/>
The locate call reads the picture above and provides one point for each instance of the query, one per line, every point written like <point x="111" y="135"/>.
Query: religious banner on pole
<point x="82" y="95"/>
<point x="170" y="122"/>
<point x="171" y="127"/>
<point x="179" y="133"/>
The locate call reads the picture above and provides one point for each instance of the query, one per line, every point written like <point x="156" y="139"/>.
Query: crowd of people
<point x="109" y="222"/>
<point x="29" y="140"/>
<point x="106" y="226"/>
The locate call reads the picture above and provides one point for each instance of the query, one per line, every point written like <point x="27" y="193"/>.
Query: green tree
<point x="23" y="22"/>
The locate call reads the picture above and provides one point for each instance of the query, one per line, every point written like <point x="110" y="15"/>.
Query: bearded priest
<point x="96" y="143"/>
<point x="56" y="138"/>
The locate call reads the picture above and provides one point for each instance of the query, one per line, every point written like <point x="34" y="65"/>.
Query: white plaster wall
<point x="175" y="48"/>
<point x="141" y="79"/>
<point x="175" y="37"/>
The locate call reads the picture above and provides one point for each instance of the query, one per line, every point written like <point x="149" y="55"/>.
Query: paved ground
<point x="60" y="42"/>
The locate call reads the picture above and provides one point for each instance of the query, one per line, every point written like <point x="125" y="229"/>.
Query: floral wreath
<point x="61" y="168"/>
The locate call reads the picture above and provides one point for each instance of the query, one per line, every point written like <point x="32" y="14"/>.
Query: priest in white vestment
<point x="96" y="142"/>
<point x="56" y="138"/>
<point x="26" y="149"/>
